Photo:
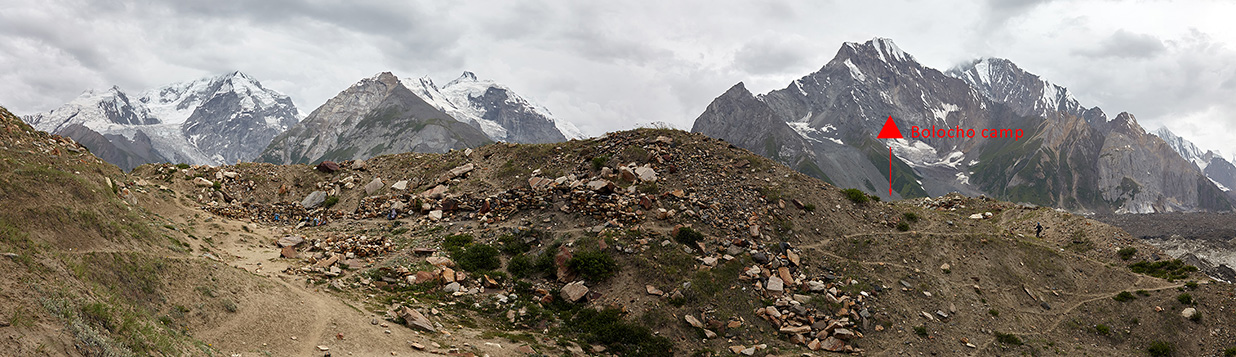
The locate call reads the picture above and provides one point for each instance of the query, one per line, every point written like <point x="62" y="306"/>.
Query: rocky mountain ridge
<point x="495" y="109"/>
<point x="1070" y="156"/>
<point x="376" y="116"/>
<point x="212" y="120"/>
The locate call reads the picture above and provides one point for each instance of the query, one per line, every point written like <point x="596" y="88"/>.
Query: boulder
<point x="775" y="284"/>
<point x="290" y="241"/>
<point x="626" y="174"/>
<point x="373" y="186"/>
<point x="453" y="287"/>
<point x="400" y="185"/>
<point x="832" y="344"/>
<point x="539" y="183"/>
<point x="652" y="290"/>
<point x="602" y="186"/>
<point x="415" y="319"/>
<point x="327" y="167"/>
<point x="202" y="182"/>
<point x="434" y="193"/>
<point x="358" y="165"/>
<point x="560" y="262"/>
<point x="694" y="322"/>
<point x="646" y="173"/>
<point x="1188" y="312"/>
<point x="574" y="291"/>
<point x="422" y="277"/>
<point x="288" y="252"/>
<point x="314" y="199"/>
<point x="435" y="214"/>
<point x="441" y="262"/>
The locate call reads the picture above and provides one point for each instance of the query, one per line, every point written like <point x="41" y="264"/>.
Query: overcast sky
<point x="607" y="65"/>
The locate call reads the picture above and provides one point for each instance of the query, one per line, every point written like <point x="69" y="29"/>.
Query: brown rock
<point x="288" y="252"/>
<point x="694" y="322"/>
<point x="415" y="319"/>
<point x="795" y="329"/>
<point x="290" y="241"/>
<point x="328" y="262"/>
<point x="794" y="259"/>
<point x="423" y="277"/>
<point x="652" y="290"/>
<point x="525" y="349"/>
<point x="327" y="167"/>
<point x="574" y="291"/>
<point x="539" y="183"/>
<point x="832" y="345"/>
<point x="844" y="334"/>
<point x="440" y="261"/>
<point x="448" y="275"/>
<point x="814" y="345"/>
<point x="784" y="274"/>
<point x="560" y="261"/>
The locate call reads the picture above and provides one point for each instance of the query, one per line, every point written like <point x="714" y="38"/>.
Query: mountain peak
<point x="467" y="76"/>
<point x="883" y="48"/>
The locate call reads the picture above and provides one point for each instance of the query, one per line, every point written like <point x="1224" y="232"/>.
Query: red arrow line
<point x="890" y="172"/>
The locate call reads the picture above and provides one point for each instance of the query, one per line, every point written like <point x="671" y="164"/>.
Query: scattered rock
<point x="775" y="284"/>
<point x="574" y="291"/>
<point x="435" y="193"/>
<point x="418" y="347"/>
<point x="400" y="185"/>
<point x="440" y="262"/>
<point x="646" y="173"/>
<point x="560" y="262"/>
<point x="652" y="290"/>
<point x="976" y="216"/>
<point x="832" y="344"/>
<point x="694" y="322"/>
<point x="202" y="182"/>
<point x="794" y="259"/>
<point x="314" y="199"/>
<point x="525" y="349"/>
<point x="453" y="287"/>
<point x="358" y="165"/>
<point x="288" y="252"/>
<point x="795" y="329"/>
<point x="945" y="266"/>
<point x="373" y="186"/>
<point x="290" y="241"/>
<point x="1188" y="312"/>
<point x="415" y="319"/>
<point x="435" y="214"/>
<point x="327" y="167"/>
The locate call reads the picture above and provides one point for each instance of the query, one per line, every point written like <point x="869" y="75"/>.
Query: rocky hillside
<point x="375" y="116"/>
<point x="495" y="109"/>
<point x="213" y="120"/>
<point x="1066" y="155"/>
<point x="648" y="242"/>
<point x="1211" y="162"/>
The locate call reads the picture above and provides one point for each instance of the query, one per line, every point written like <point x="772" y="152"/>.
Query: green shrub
<point x="1123" y="296"/>
<point x="855" y="195"/>
<point x="1127" y="253"/>
<point x="607" y="328"/>
<point x="1165" y="269"/>
<point x="1197" y="316"/>
<point x="456" y="241"/>
<point x="477" y="257"/>
<point x="593" y="265"/>
<point x="1229" y="352"/>
<point x="182" y="166"/>
<point x="910" y="217"/>
<point x="688" y="236"/>
<point x="993" y="312"/>
<point x="1007" y="338"/>
<point x="599" y="162"/>
<point x="1160" y="349"/>
<point x="920" y="330"/>
<point x="1103" y="329"/>
<point x="513" y="244"/>
<point x="1192" y="285"/>
<point x="809" y="207"/>
<point x="1185" y="299"/>
<point x="649" y="188"/>
<point x="1143" y="293"/>
<point x="521" y="266"/>
<point x="330" y="201"/>
<point x="903" y="226"/>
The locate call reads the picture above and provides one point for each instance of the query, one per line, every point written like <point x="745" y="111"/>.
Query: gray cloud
<point x="1125" y="44"/>
<point x="606" y="65"/>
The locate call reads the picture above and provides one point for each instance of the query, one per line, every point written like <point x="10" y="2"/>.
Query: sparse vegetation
<point x="903" y="226"/>
<point x="1124" y="296"/>
<point x="993" y="312"/>
<point x="1160" y="349"/>
<point x="1103" y="329"/>
<point x="593" y="265"/>
<point x="1126" y="253"/>
<point x="809" y="207"/>
<point x="1166" y="269"/>
<point x="477" y="257"/>
<point x="910" y="217"/>
<point x="330" y="201"/>
<point x="688" y="236"/>
<point x="1007" y="338"/>
<point x="1143" y="293"/>
<point x="599" y="162"/>
<point x="855" y="195"/>
<point x="607" y="328"/>
<point x="1229" y="352"/>
<point x="1185" y="299"/>
<point x="1192" y="285"/>
<point x="1197" y="316"/>
<point x="921" y="331"/>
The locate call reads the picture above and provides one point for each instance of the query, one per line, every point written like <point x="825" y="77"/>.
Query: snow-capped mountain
<point x="212" y="120"/>
<point x="494" y="109"/>
<point x="376" y="116"/>
<point x="1066" y="155"/>
<point x="1211" y="162"/>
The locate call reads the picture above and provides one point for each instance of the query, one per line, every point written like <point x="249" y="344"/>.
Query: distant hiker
<point x="1038" y="230"/>
<point x="392" y="215"/>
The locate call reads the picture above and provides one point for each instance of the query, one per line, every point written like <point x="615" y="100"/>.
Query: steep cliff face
<point x="212" y="120"/>
<point x="375" y="116"/>
<point x="1053" y="159"/>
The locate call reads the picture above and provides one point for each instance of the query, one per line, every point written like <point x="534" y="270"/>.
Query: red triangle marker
<point x="890" y="130"/>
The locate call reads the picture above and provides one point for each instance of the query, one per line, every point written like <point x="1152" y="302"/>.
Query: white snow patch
<point x="854" y="72"/>
<point x="963" y="178"/>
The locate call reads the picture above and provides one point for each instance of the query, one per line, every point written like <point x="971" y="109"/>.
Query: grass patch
<point x="1124" y="296"/>
<point x="688" y="236"/>
<point x="1166" y="269"/>
<point x="1126" y="253"/>
<point x="1185" y="299"/>
<point x="607" y="328"/>
<point x="1160" y="349"/>
<point x="855" y="195"/>
<point x="1007" y="338"/>
<point x="593" y="265"/>
<point x="910" y="217"/>
<point x="1103" y="329"/>
<point x="921" y="331"/>
<point x="330" y="201"/>
<point x="993" y="312"/>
